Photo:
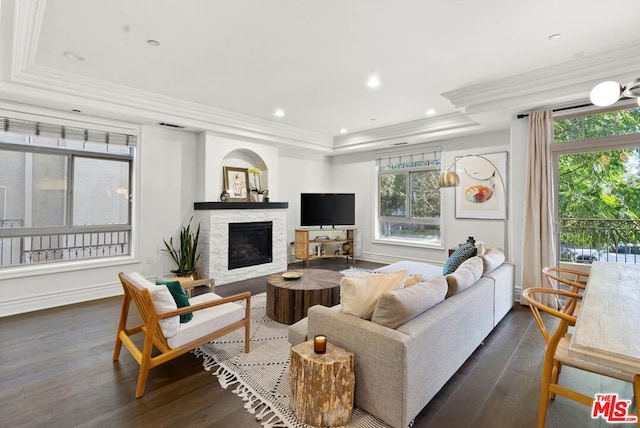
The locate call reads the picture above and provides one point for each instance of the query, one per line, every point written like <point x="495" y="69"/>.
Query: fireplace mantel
<point x="240" y="205"/>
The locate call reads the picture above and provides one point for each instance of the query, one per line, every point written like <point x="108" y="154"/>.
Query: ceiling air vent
<point x="170" y="125"/>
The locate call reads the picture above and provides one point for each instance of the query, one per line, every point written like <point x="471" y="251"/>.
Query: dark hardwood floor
<point x="56" y="370"/>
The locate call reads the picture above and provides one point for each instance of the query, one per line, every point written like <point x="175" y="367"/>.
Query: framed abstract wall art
<point x="482" y="191"/>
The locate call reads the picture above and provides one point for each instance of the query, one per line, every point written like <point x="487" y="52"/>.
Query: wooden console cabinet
<point x="317" y="243"/>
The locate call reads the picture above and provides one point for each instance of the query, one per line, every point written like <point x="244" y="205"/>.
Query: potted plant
<point x="185" y="255"/>
<point x="257" y="190"/>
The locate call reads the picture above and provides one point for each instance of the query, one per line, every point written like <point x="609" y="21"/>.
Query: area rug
<point x="261" y="377"/>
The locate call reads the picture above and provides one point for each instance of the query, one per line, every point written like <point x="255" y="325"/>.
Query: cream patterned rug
<point x="261" y="377"/>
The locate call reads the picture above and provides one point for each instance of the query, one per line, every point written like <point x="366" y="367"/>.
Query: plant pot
<point x="260" y="197"/>
<point x="191" y="275"/>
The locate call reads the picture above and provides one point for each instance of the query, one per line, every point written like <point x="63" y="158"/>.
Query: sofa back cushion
<point x="396" y="307"/>
<point x="491" y="260"/>
<point x="359" y="295"/>
<point x="465" y="276"/>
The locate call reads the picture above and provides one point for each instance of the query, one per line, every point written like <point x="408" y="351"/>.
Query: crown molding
<point x="562" y="80"/>
<point x="415" y="131"/>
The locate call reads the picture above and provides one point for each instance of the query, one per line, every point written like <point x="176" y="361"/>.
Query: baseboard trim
<point x="52" y="300"/>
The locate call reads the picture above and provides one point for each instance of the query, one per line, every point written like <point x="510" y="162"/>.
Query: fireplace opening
<point x="250" y="244"/>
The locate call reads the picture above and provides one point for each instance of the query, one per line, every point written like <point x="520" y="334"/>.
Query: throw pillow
<point x="464" y="252"/>
<point x="413" y="280"/>
<point x="396" y="307"/>
<point x="178" y="294"/>
<point x="359" y="295"/>
<point x="162" y="301"/>
<point x="465" y="276"/>
<point x="491" y="260"/>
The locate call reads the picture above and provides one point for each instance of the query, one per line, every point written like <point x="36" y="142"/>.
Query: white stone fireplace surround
<point x="214" y="219"/>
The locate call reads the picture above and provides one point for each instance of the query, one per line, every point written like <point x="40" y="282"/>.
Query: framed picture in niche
<point x="236" y="182"/>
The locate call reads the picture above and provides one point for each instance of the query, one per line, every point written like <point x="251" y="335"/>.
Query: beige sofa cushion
<point x="491" y="260"/>
<point x="465" y="276"/>
<point x="359" y="295"/>
<point x="396" y="307"/>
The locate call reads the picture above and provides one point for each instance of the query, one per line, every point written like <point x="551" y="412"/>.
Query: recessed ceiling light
<point x="278" y="113"/>
<point x="554" y="36"/>
<point x="373" y="82"/>
<point x="430" y="112"/>
<point x="73" y="56"/>
<point x="152" y="42"/>
<point x="343" y="131"/>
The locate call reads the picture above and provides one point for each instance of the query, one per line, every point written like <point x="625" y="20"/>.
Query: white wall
<point x="165" y="183"/>
<point x="519" y="141"/>
<point x="301" y="172"/>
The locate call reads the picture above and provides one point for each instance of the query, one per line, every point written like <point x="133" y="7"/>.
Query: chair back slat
<point x="535" y="298"/>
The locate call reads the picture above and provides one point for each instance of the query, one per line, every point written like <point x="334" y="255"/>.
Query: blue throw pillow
<point x="176" y="290"/>
<point x="464" y="252"/>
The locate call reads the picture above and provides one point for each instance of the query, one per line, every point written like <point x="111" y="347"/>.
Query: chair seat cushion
<point x="206" y="321"/>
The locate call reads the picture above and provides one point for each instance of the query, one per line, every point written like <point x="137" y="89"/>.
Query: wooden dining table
<point x="607" y="330"/>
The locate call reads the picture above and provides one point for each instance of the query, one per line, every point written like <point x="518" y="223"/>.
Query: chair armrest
<point x="204" y="305"/>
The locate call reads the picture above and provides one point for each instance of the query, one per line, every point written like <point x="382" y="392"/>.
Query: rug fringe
<point x="254" y="404"/>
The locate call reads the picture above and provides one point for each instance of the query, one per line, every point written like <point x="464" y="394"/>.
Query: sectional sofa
<point x="400" y="368"/>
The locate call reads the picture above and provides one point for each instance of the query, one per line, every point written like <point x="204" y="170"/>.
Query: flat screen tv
<point x="327" y="209"/>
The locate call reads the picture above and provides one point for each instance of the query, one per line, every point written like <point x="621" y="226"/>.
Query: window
<point x="597" y="161"/>
<point x="66" y="193"/>
<point x="409" y="198"/>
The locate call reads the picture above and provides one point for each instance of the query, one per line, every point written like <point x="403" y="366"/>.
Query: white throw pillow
<point x="359" y="295"/>
<point x="396" y="307"/>
<point x="162" y="300"/>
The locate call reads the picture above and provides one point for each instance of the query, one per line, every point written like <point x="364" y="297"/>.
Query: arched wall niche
<point x="246" y="158"/>
<point x="216" y="151"/>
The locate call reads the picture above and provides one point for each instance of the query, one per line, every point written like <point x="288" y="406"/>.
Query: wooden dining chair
<point x="213" y="317"/>
<point x="571" y="280"/>
<point x="557" y="351"/>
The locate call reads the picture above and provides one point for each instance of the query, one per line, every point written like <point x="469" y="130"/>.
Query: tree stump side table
<point x="322" y="385"/>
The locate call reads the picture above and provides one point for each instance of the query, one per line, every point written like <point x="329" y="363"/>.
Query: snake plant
<point x="185" y="256"/>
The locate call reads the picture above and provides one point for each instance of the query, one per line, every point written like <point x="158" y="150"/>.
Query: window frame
<point x="407" y="219"/>
<point x="588" y="145"/>
<point x="52" y="266"/>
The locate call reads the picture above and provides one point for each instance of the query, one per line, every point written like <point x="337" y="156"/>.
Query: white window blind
<point x="41" y="129"/>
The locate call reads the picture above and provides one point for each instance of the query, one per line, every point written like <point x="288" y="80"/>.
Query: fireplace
<point x="250" y="244"/>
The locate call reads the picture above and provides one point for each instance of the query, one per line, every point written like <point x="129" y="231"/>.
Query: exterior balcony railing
<point x="88" y="242"/>
<point x="585" y="240"/>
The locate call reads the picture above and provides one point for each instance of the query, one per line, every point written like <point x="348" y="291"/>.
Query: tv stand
<point x="310" y="244"/>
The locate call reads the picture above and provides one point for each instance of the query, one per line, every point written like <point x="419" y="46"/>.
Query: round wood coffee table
<point x="289" y="299"/>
